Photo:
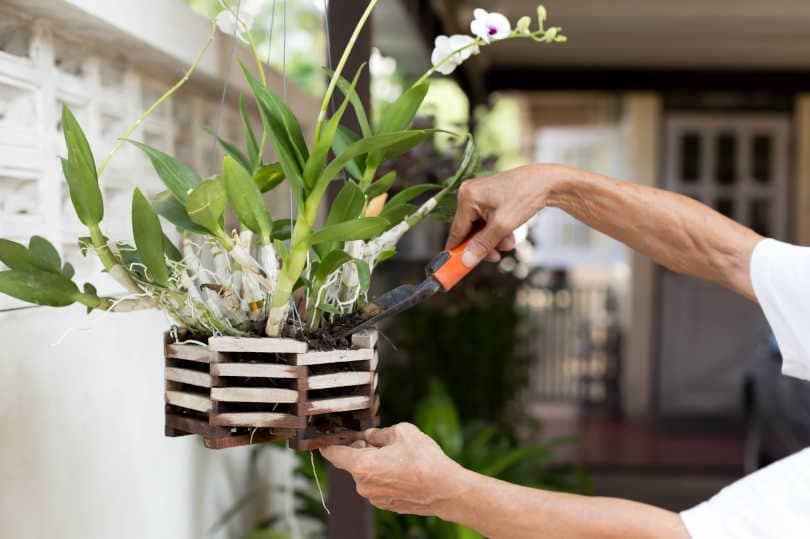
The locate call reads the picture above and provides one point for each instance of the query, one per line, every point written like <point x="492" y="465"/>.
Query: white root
<point x="132" y="303"/>
<point x="269" y="263"/>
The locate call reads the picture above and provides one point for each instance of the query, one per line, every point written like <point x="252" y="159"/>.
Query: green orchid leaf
<point x="231" y="149"/>
<point x="385" y="255"/>
<point x="39" y="287"/>
<point x="246" y="200"/>
<point x="374" y="143"/>
<point x="282" y="229"/>
<point x="68" y="270"/>
<point x="396" y="214"/>
<point x="382" y="185"/>
<point x="171" y="250"/>
<point x="399" y="115"/>
<point x="45" y="251"/>
<point x="90" y="289"/>
<point x="284" y="132"/>
<point x="250" y="137"/>
<point x="173" y="211"/>
<point x="348" y="204"/>
<point x="363" y="274"/>
<point x="149" y="239"/>
<point x="468" y="167"/>
<point x="269" y="177"/>
<point x="344" y="138"/>
<point x="348" y="90"/>
<point x="80" y="172"/>
<point x="206" y="205"/>
<point x="178" y="177"/>
<point x="281" y="250"/>
<point x="330" y="263"/>
<point x="317" y="159"/>
<point x="17" y="257"/>
<point x="131" y="259"/>
<point x="359" y="229"/>
<point x="410" y="193"/>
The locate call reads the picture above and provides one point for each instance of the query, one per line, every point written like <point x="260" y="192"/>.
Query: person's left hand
<point x="399" y="469"/>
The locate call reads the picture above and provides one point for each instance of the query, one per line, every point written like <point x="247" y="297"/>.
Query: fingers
<point x="466" y="215"/>
<point x="381" y="437"/>
<point x="508" y="243"/>
<point x="485" y="241"/>
<point x="342" y="456"/>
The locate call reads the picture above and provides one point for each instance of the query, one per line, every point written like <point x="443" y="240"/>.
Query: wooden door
<point x="737" y="164"/>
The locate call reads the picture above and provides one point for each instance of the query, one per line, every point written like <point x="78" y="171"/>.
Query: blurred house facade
<point x="705" y="98"/>
<point x="84" y="454"/>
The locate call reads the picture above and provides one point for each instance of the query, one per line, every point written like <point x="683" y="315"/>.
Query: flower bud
<point x="541" y="14"/>
<point x="523" y="25"/>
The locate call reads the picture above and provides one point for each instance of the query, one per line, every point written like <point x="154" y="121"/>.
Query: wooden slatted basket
<point x="239" y="391"/>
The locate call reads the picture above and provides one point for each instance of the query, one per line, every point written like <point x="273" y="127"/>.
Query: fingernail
<point x="469" y="259"/>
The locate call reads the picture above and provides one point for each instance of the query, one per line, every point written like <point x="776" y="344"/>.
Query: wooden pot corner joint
<point x="240" y="391"/>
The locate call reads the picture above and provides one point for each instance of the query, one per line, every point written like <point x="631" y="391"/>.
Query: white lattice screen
<point x="41" y="68"/>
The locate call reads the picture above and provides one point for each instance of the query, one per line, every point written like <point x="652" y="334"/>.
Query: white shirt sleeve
<point x="780" y="275"/>
<point x="771" y="503"/>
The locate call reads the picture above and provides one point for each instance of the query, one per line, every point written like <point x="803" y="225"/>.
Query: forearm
<point x="500" y="510"/>
<point x="675" y="231"/>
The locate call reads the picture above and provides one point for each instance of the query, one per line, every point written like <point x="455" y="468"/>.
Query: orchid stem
<point x="343" y="59"/>
<point x="159" y="102"/>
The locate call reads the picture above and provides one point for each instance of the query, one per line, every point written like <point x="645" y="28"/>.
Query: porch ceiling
<point x="661" y="34"/>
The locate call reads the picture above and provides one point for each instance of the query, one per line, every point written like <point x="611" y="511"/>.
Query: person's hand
<point x="504" y="201"/>
<point x="399" y="469"/>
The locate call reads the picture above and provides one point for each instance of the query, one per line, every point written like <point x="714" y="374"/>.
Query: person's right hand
<point x="504" y="201"/>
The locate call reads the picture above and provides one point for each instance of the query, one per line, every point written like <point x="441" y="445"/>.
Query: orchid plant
<point x="255" y="270"/>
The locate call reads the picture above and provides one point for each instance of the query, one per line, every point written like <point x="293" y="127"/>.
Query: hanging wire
<point x="221" y="108"/>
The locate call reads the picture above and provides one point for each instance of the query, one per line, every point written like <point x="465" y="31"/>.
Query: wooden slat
<point x="258" y="437"/>
<point x="269" y="395"/>
<point x="257" y="345"/>
<point x="325" y="440"/>
<point x="258" y="420"/>
<point x="187" y="376"/>
<point x="339" y="379"/>
<point x="194" y="426"/>
<point x="335" y="356"/>
<point x="366" y="338"/>
<point x="254" y="370"/>
<point x="192" y="401"/>
<point x="341" y="404"/>
<point x="188" y="352"/>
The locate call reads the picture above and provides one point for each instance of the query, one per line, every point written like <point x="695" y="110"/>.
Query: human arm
<point x="675" y="231"/>
<point x="400" y="469"/>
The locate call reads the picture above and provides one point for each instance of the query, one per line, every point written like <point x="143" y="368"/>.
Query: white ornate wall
<point x="83" y="453"/>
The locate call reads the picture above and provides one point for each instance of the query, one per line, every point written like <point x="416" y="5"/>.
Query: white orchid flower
<point x="450" y="52"/>
<point x="248" y="11"/>
<point x="490" y="26"/>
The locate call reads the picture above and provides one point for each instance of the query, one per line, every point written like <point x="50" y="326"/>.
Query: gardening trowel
<point x="443" y="273"/>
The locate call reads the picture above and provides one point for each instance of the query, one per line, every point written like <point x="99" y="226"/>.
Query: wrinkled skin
<point x="398" y="469"/>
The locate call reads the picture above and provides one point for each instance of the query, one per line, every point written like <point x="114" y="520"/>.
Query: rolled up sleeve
<point x="780" y="275"/>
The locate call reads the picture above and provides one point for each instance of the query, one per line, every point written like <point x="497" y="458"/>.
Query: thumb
<point x="381" y="437"/>
<point x="484" y="242"/>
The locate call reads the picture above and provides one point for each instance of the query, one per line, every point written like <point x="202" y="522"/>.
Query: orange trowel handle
<point x="446" y="267"/>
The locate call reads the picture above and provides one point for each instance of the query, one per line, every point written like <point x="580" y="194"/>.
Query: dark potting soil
<point x="324" y="339"/>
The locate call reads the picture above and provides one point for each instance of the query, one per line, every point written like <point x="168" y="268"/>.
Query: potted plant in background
<point x="247" y="301"/>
